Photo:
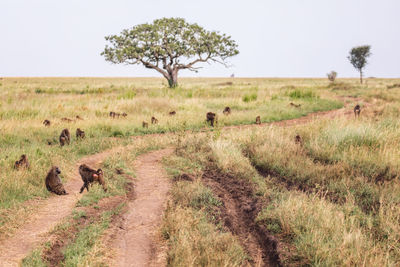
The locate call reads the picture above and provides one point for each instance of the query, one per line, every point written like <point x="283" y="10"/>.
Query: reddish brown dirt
<point x="238" y="213"/>
<point x="136" y="241"/>
<point x="52" y="211"/>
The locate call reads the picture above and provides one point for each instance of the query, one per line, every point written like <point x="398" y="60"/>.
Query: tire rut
<point x="135" y="240"/>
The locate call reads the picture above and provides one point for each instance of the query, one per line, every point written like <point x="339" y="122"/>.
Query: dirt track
<point x="136" y="241"/>
<point x="143" y="216"/>
<point x="53" y="210"/>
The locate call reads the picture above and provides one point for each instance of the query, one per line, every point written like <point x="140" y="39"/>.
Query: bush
<point x="296" y="94"/>
<point x="248" y="98"/>
<point x="332" y="76"/>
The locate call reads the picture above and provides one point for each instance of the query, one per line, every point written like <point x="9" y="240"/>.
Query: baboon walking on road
<point x="23" y="162"/>
<point x="53" y="181"/>
<point x="89" y="176"/>
<point x="65" y="137"/>
<point x="357" y="110"/>
<point x="80" y="133"/>
<point x="211" y="118"/>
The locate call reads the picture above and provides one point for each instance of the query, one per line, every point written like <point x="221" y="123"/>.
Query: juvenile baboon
<point x="53" y="181"/>
<point x="124" y="114"/>
<point x="298" y="140"/>
<point x="154" y="120"/>
<point x="294" y="105"/>
<point x="172" y="113"/>
<point x="211" y="118"/>
<point x="145" y="124"/>
<point x="89" y="176"/>
<point x="46" y="123"/>
<point x="112" y="114"/>
<point x="66" y="119"/>
<point x="78" y="117"/>
<point x="227" y="111"/>
<point x="65" y="137"/>
<point x="357" y="110"/>
<point x="258" y="120"/>
<point x="23" y="162"/>
<point x="80" y="133"/>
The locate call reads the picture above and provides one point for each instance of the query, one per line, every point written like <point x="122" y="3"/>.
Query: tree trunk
<point x="361" y="76"/>
<point x="173" y="79"/>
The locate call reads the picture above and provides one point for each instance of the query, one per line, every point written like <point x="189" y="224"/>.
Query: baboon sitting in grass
<point x="295" y="105"/>
<point x="145" y="124"/>
<point x="172" y="113"/>
<point x="154" y="120"/>
<point x="22" y="162"/>
<point x="66" y="119"/>
<point x="80" y="134"/>
<point x="124" y="114"/>
<point x="53" y="181"/>
<point x="89" y="176"/>
<point x="298" y="140"/>
<point x="357" y="110"/>
<point x="227" y="111"/>
<point x="211" y="118"/>
<point x="258" y="120"/>
<point x="65" y="137"/>
<point x="46" y="123"/>
<point x="112" y="114"/>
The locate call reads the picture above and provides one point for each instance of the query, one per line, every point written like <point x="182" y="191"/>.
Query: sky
<point x="276" y="38"/>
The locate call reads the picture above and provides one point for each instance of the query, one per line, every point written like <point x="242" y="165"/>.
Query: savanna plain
<point x="241" y="193"/>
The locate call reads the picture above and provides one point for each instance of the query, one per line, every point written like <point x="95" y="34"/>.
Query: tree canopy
<point x="358" y="58"/>
<point x="168" y="45"/>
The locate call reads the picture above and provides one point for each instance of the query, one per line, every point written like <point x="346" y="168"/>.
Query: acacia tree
<point x="358" y="58"/>
<point x="169" y="45"/>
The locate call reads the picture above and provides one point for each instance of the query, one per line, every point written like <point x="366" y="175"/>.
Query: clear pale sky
<point x="277" y="38"/>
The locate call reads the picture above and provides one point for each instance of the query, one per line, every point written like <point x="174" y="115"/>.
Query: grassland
<point x="337" y="192"/>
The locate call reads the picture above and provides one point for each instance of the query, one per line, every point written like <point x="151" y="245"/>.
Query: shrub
<point x="248" y="98"/>
<point x="332" y="76"/>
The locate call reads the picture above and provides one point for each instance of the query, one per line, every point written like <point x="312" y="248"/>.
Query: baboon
<point x="124" y="114"/>
<point x="211" y="118"/>
<point x="53" y="181"/>
<point x="154" y="120"/>
<point x="258" y="120"/>
<point x="227" y="111"/>
<point x="294" y="105"/>
<point x="117" y="115"/>
<point x="65" y="137"/>
<point x="357" y="110"/>
<point x="23" y="162"/>
<point x="145" y="124"/>
<point x="298" y="140"/>
<point x="89" y="176"/>
<point x="49" y="142"/>
<point x="78" y="117"/>
<point x="112" y="114"/>
<point x="172" y="113"/>
<point x="46" y="123"/>
<point x="66" y="119"/>
<point x="119" y="171"/>
<point x="80" y="133"/>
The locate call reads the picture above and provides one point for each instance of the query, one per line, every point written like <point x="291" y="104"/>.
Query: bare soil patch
<point x="238" y="214"/>
<point x="135" y="238"/>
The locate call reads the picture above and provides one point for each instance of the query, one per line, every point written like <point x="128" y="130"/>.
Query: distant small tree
<point x="332" y="76"/>
<point x="169" y="45"/>
<point x="358" y="58"/>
